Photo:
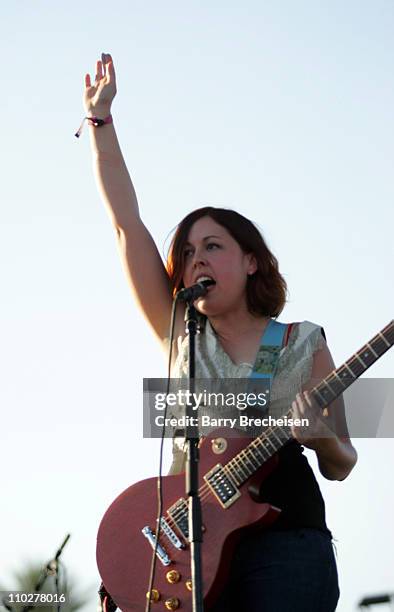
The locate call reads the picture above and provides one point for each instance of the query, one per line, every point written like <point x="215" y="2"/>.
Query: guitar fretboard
<point x="251" y="458"/>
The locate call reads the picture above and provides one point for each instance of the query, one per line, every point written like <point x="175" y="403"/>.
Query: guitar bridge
<point x="222" y="486"/>
<point x="160" y="552"/>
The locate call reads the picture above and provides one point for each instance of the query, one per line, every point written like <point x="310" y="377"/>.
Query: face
<point x="211" y="251"/>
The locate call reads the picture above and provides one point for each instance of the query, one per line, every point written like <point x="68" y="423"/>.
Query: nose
<point x="195" y="265"/>
<point x="198" y="259"/>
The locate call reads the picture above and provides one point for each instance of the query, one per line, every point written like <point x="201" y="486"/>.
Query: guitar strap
<point x="274" y="338"/>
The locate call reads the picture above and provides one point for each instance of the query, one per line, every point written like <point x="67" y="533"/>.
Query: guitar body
<point x="124" y="553"/>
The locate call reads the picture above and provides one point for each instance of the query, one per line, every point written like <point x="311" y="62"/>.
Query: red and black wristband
<point x="95" y="121"/>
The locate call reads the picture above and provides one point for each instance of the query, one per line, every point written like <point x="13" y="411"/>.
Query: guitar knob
<point x="173" y="576"/>
<point x="172" y="604"/>
<point x="219" y="445"/>
<point x="189" y="585"/>
<point x="155" y="595"/>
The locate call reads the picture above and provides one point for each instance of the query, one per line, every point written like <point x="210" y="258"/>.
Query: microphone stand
<point x="51" y="569"/>
<point x="192" y="458"/>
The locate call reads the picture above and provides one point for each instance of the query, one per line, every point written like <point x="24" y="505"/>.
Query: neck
<point x="234" y="323"/>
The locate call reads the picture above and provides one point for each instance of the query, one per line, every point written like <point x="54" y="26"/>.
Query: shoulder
<point x="305" y="333"/>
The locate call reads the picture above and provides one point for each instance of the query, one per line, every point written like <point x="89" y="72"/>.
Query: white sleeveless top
<point x="292" y="373"/>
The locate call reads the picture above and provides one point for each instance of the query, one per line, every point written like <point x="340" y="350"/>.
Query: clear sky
<point x="280" y="110"/>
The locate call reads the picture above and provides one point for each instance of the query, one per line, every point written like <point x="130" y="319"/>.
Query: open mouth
<point x="206" y="280"/>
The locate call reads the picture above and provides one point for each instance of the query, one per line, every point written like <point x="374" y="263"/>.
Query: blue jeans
<point x="282" y="571"/>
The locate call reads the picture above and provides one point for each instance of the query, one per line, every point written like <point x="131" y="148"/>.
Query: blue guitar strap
<point x="273" y="339"/>
<point x="271" y="344"/>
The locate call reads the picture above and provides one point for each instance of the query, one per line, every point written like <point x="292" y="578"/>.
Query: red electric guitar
<point x="231" y="472"/>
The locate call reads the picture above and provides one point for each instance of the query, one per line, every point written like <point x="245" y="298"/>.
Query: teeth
<point x="201" y="278"/>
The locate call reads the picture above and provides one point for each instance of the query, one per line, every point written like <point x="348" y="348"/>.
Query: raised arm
<point x="141" y="260"/>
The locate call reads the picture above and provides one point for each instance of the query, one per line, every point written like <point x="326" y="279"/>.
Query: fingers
<point x="110" y="70"/>
<point x="104" y="67"/>
<point x="299" y="410"/>
<point x="304" y="401"/>
<point x="295" y="410"/>
<point x="108" y="65"/>
<point x="99" y="70"/>
<point x="298" y="405"/>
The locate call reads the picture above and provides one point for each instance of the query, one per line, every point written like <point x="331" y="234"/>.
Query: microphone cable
<point x="159" y="478"/>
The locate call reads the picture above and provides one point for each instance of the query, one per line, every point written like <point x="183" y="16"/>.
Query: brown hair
<point x="266" y="289"/>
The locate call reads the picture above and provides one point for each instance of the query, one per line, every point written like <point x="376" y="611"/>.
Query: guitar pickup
<point x="170" y="533"/>
<point x="222" y="486"/>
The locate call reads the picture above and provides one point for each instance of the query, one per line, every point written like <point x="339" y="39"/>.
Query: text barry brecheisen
<point x="242" y="420"/>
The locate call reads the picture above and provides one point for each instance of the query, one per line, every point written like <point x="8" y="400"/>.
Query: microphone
<point x="190" y="294"/>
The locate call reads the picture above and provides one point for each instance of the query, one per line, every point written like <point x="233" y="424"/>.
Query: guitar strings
<point x="206" y="491"/>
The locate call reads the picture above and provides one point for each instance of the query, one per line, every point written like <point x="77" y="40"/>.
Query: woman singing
<point x="290" y="566"/>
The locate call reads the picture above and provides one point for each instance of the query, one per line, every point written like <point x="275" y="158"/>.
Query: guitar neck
<point x="253" y="456"/>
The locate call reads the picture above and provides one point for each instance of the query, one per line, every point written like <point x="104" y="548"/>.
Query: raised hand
<point x="97" y="98"/>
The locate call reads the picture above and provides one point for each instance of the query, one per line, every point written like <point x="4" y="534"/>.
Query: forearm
<point x="113" y="179"/>
<point x="336" y="458"/>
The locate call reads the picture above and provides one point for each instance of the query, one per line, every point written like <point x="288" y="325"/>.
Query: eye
<point x="187" y="252"/>
<point x="212" y="244"/>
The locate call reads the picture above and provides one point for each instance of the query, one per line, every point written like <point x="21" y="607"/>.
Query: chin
<point x="208" y="309"/>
